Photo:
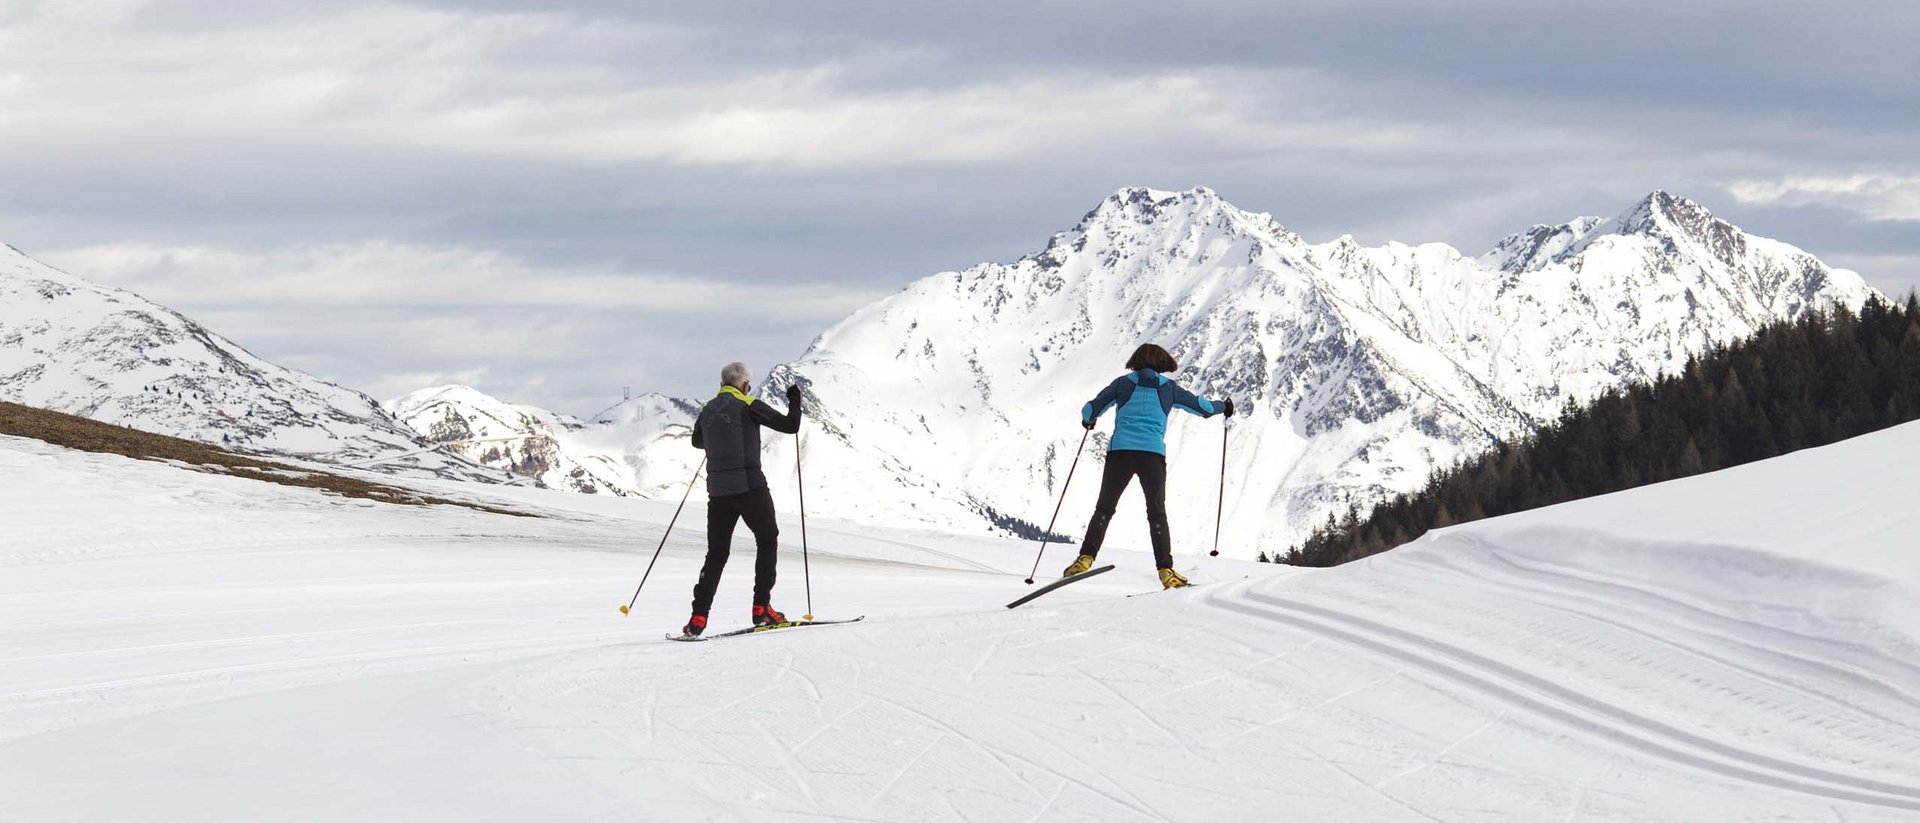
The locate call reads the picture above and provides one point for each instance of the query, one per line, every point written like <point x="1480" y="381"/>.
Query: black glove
<point x="793" y="395"/>
<point x="1086" y="424"/>
<point x="1229" y="410"/>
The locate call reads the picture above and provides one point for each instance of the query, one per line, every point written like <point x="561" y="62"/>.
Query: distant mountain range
<point x="624" y="450"/>
<point x="953" y="404"/>
<point x="73" y="346"/>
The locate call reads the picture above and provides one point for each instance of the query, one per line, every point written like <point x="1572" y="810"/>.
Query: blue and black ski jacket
<point x="1144" y="399"/>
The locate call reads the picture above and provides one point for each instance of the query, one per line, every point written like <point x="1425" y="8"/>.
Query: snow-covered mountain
<point x="627" y="449"/>
<point x="954" y="404"/>
<point x="74" y="346"/>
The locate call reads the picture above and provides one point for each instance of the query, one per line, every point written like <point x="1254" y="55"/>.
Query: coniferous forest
<point x="1824" y="378"/>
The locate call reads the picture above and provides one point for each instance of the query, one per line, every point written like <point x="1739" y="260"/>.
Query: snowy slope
<point x="953" y="404"/>
<point x="73" y="346"/>
<point x="613" y="454"/>
<point x="1736" y="646"/>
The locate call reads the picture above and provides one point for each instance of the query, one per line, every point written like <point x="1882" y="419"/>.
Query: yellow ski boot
<point x="1170" y="579"/>
<point x="1080" y="566"/>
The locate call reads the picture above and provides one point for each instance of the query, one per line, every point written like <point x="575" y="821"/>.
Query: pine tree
<point x="1690" y="462"/>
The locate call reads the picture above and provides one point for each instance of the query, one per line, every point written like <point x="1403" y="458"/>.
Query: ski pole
<point x="1048" y="534"/>
<point x="663" y="538"/>
<point x="805" y="573"/>
<point x="1221" y="507"/>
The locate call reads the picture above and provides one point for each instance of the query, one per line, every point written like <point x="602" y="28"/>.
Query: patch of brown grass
<point x="94" y="436"/>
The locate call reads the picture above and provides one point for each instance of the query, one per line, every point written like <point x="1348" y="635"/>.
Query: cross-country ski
<point x="1073" y="578"/>
<point x="792" y="624"/>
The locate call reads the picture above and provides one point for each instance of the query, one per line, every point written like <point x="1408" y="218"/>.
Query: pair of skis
<point x="794" y="624"/>
<point x="1075" y="579"/>
<point x="791" y="624"/>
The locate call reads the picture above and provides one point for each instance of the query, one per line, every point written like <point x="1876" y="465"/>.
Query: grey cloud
<point x="548" y="134"/>
<point x="573" y="361"/>
<point x="1720" y="52"/>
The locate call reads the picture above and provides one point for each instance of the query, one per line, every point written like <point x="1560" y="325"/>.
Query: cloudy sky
<point x="551" y="201"/>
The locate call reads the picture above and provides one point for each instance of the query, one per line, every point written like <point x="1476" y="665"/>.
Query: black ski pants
<point x="756" y="508"/>
<point x="1122" y="466"/>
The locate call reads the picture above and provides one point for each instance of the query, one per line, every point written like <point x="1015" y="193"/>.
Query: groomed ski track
<point x="220" y="649"/>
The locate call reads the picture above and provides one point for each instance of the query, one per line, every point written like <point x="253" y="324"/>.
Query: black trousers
<point x="756" y="508"/>
<point x="1122" y="466"/>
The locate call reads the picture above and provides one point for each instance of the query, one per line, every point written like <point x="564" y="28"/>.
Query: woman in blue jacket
<point x="1142" y="399"/>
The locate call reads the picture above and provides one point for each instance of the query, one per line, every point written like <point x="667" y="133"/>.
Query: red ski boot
<point x="764" y="615"/>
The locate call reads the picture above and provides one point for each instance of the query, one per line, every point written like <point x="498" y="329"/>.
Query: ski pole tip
<point x="1214" y="553"/>
<point x="1029" y="581"/>
<point x="623" y="610"/>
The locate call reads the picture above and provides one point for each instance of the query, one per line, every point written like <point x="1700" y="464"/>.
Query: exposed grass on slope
<point x="93" y="436"/>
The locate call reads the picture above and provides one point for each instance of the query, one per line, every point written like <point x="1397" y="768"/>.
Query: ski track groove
<point x="1143" y="713"/>
<point x="1048" y="806"/>
<point x="1643" y="735"/>
<point x="651" y="711"/>
<point x="813" y="688"/>
<point x="827" y="725"/>
<point x="881" y="793"/>
<point x="1315" y="709"/>
<point x="252" y="639"/>
<point x="1355" y="779"/>
<point x="1689" y="618"/>
<point x="1204" y="682"/>
<point x="326" y="662"/>
<point x="999" y="757"/>
<point x="1556" y="599"/>
<point x="1131" y="645"/>
<point x="1581" y="788"/>
<point x="1857" y="727"/>
<point x="793" y="766"/>
<point x="765" y="687"/>
<point x="993" y="651"/>
<point x="1132" y="802"/>
<point x="1442" y="754"/>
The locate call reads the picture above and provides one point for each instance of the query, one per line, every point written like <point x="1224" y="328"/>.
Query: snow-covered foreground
<point x="178" y="646"/>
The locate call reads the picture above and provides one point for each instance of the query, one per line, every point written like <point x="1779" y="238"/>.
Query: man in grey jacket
<point x="728" y="428"/>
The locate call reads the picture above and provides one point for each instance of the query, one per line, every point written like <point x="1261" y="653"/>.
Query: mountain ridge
<point x="68" y="344"/>
<point x="1441" y="353"/>
<point x="605" y="455"/>
<point x="1359" y="370"/>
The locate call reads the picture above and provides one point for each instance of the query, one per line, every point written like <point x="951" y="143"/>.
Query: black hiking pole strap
<point x="663" y="537"/>
<point x="800" y="478"/>
<point x="1220" y="508"/>
<point x="1056" y="507"/>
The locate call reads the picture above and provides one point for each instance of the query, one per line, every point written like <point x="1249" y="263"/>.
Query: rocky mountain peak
<point x="1668" y="217"/>
<point x="1539" y="245"/>
<point x="1361" y="369"/>
<point x="1141" y="206"/>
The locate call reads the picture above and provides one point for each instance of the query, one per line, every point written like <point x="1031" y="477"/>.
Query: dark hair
<point x="1150" y="356"/>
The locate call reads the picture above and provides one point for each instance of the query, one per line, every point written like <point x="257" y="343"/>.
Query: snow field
<point x="181" y="646"/>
